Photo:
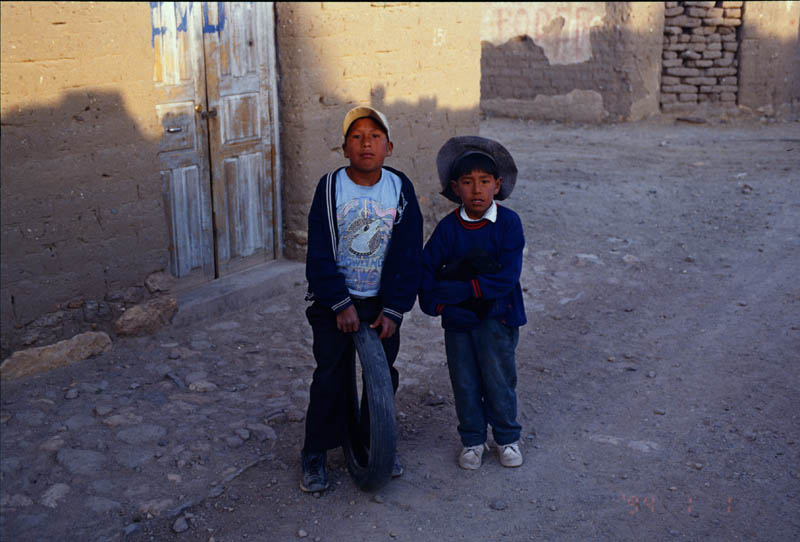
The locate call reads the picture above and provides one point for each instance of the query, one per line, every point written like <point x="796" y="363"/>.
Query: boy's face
<point x="366" y="146"/>
<point x="477" y="191"/>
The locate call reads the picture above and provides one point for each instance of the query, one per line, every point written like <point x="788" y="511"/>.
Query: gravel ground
<point x="658" y="383"/>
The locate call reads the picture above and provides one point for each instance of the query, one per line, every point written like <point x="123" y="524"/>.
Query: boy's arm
<point x="324" y="279"/>
<point x="494" y="285"/>
<point x="433" y="256"/>
<point x="399" y="288"/>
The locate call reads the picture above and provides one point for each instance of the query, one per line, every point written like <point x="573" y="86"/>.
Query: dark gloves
<point x="450" y="292"/>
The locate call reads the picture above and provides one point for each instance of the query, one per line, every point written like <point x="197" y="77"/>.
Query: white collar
<point x="490" y="214"/>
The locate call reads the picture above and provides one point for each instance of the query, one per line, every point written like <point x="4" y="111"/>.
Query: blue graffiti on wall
<point x="182" y="11"/>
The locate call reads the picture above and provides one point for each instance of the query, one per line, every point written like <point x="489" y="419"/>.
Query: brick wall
<point x="700" y="61"/>
<point x="82" y="218"/>
<point x="418" y="63"/>
<point x="571" y="61"/>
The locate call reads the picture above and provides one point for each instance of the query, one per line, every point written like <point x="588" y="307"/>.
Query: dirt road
<point x="659" y="389"/>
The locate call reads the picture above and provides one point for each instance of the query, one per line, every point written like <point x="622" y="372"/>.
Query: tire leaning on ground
<point x="370" y="463"/>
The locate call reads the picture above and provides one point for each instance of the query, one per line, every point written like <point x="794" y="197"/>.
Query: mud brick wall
<point x="769" y="58"/>
<point x="571" y="61"/>
<point x="82" y="217"/>
<point x="418" y="63"/>
<point x="700" y="61"/>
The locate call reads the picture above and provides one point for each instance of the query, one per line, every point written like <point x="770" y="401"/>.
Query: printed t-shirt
<point x="365" y="216"/>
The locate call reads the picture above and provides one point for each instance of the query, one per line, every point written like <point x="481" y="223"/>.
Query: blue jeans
<point x="483" y="373"/>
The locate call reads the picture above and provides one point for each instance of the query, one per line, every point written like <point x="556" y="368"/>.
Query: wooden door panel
<point x="240" y="138"/>
<point x="179" y="77"/>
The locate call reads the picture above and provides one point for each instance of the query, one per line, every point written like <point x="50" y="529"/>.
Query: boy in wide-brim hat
<point x="471" y="268"/>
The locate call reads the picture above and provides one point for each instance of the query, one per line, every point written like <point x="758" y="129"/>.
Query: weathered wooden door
<point x="215" y="64"/>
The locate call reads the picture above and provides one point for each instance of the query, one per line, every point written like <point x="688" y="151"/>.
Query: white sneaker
<point x="471" y="456"/>
<point x="510" y="455"/>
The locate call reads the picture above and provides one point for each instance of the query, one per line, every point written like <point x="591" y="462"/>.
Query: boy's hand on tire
<point x="347" y="320"/>
<point x="386" y="324"/>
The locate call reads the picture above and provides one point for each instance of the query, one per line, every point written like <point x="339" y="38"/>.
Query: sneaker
<point x="397" y="470"/>
<point x="471" y="456"/>
<point x="314" y="477"/>
<point x="509" y="454"/>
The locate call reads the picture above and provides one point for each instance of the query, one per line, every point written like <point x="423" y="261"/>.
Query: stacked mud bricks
<point x="700" y="62"/>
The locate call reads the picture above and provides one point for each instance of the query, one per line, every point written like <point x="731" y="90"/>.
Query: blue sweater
<point x="453" y="238"/>
<point x="401" y="271"/>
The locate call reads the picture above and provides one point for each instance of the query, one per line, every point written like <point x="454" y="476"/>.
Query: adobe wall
<point x="769" y="63"/>
<point x="82" y="217"/>
<point x="419" y="64"/>
<point x="571" y="61"/>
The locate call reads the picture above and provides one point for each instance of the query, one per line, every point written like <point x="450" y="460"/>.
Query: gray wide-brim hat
<point x="458" y="147"/>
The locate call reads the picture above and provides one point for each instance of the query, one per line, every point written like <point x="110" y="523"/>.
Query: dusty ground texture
<point x="658" y="383"/>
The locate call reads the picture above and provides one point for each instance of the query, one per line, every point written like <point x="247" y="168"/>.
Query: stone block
<point x="713" y="21"/>
<point x="673" y="11"/>
<point x="714" y="12"/>
<point x="682" y="21"/>
<point x="674" y="30"/>
<point x="668" y="98"/>
<point x="711" y="38"/>
<point x="700" y="80"/>
<point x="728" y="81"/>
<point x="669" y="80"/>
<point x="678" y="107"/>
<point x="716" y="46"/>
<point x="691" y="55"/>
<point x="697" y="47"/>
<point x="687" y="97"/>
<point x="723" y="62"/>
<point x="731" y="22"/>
<point x="148" y="317"/>
<point x="719" y="72"/>
<point x="669" y="55"/>
<point x="37" y="360"/>
<point x="679" y="89"/>
<point x="700" y="4"/>
<point x="730" y="46"/>
<point x="729" y="5"/>
<point x="684" y="38"/>
<point x="727" y="97"/>
<point x="733" y="13"/>
<point x="684" y="72"/>
<point x="694" y="11"/>
<point x="699" y="63"/>
<point x="698" y="38"/>
<point x="705" y="89"/>
<point x="702" y="98"/>
<point x="726" y="88"/>
<point x="671" y="4"/>
<point x="677" y="47"/>
<point x="727" y="34"/>
<point x="674" y="63"/>
<point x="712" y="54"/>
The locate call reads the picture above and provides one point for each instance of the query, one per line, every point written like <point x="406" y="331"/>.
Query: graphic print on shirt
<point x="366" y="229"/>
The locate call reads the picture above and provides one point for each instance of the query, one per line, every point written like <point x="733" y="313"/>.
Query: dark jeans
<point x="483" y="373"/>
<point x="334" y="352"/>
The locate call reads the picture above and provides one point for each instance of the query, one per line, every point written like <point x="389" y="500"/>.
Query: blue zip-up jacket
<point x="402" y="266"/>
<point x="453" y="238"/>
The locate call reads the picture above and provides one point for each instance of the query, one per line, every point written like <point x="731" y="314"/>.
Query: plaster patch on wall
<point x="561" y="29"/>
<point x="576" y="106"/>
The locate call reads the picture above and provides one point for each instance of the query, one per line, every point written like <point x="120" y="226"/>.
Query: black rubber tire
<point x="370" y="463"/>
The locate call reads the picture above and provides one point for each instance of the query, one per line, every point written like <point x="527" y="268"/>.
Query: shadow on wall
<point x="417" y="129"/>
<point x="595" y="76"/>
<point x="619" y="76"/>
<point x="82" y="217"/>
